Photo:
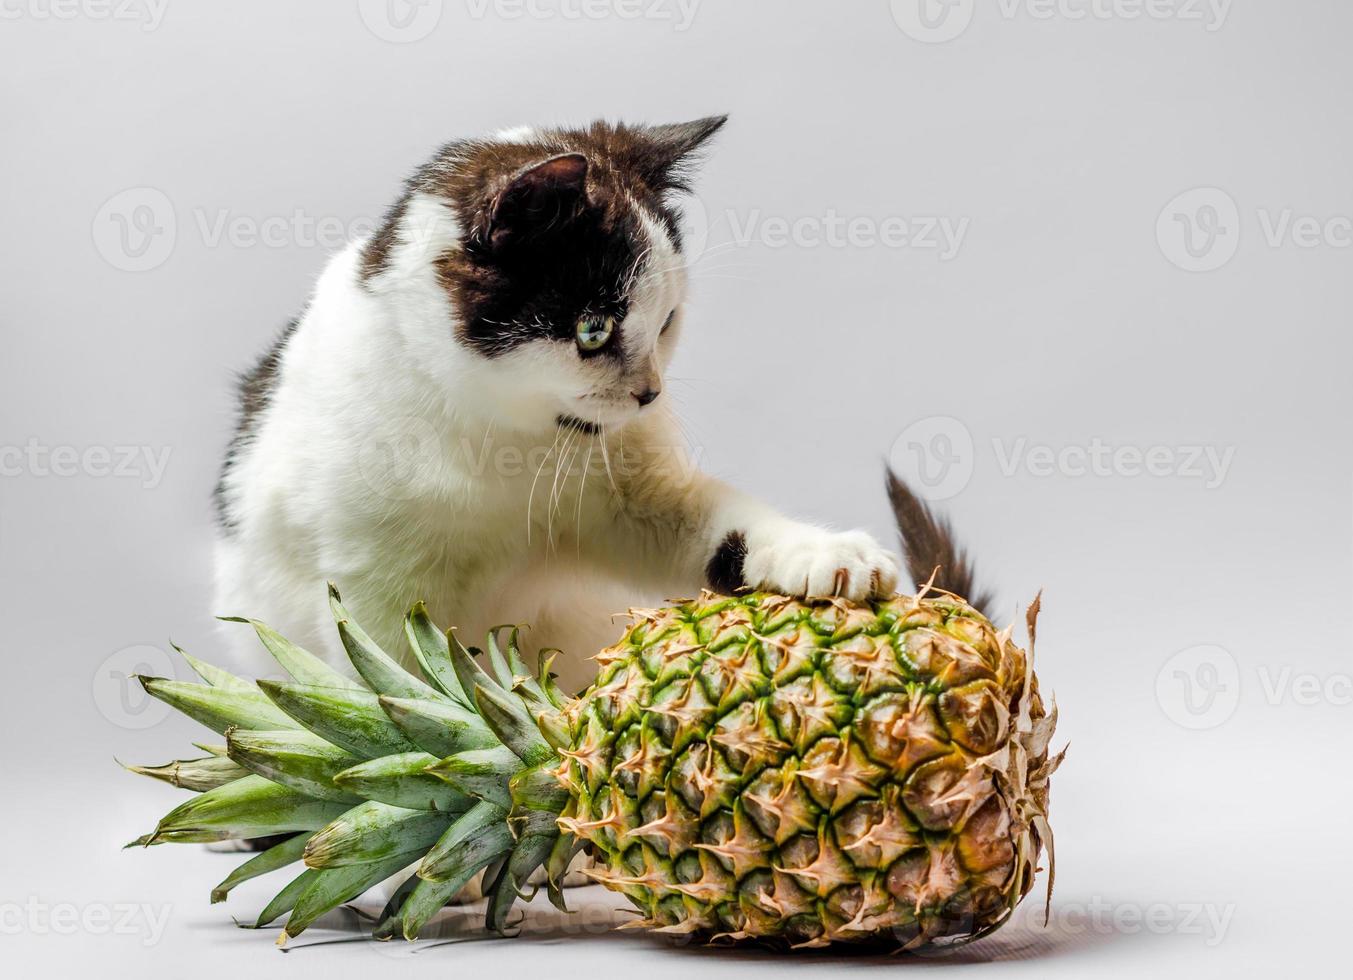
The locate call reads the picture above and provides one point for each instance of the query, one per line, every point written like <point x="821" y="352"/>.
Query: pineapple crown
<point x="365" y="776"/>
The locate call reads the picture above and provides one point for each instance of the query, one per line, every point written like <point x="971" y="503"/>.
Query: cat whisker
<point x="710" y="257"/>
<point x="706" y="275"/>
<point x="531" y="497"/>
<point x="683" y="427"/>
<point x="637" y="268"/>
<point x="549" y="498"/>
<point x="556" y="491"/>
<point x="568" y="475"/>
<point x="693" y="260"/>
<point x="582" y="485"/>
<point x="606" y="459"/>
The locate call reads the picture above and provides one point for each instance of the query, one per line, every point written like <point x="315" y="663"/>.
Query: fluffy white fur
<point x="402" y="465"/>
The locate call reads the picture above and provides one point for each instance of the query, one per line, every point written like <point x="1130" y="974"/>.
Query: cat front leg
<point x="673" y="527"/>
<point x="760" y="548"/>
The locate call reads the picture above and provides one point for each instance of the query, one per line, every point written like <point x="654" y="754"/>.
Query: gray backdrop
<point x="1078" y="267"/>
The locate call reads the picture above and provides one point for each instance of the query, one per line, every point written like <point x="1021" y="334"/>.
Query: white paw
<point x="808" y="561"/>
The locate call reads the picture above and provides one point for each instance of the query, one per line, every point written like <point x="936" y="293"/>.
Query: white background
<point x="1197" y="623"/>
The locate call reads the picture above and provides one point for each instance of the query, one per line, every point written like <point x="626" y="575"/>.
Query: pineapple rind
<point x="812" y="770"/>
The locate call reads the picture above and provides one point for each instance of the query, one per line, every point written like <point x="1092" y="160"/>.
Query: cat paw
<point x="808" y="561"/>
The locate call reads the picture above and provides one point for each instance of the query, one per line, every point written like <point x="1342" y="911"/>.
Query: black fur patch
<point x="540" y="287"/>
<point x="576" y="246"/>
<point x="255" y="387"/>
<point x="724" y="570"/>
<point x="573" y="422"/>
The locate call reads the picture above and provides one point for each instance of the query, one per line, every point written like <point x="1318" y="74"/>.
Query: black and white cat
<point x="470" y="412"/>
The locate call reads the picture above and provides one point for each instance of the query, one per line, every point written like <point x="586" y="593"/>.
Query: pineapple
<point x="750" y="767"/>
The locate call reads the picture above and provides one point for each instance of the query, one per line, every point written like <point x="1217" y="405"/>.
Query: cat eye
<point x="594" y="332"/>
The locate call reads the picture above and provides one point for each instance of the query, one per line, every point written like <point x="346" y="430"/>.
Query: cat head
<point x="554" y="257"/>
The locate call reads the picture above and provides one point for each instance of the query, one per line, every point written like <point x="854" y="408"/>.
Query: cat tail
<point x="928" y="544"/>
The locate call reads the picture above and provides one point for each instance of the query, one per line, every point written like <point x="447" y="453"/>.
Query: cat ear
<point x="667" y="154"/>
<point x="541" y="196"/>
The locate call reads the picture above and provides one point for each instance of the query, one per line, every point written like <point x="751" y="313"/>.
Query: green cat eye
<point x="594" y="332"/>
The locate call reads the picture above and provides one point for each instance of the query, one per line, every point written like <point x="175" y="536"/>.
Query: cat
<point x="470" y="411"/>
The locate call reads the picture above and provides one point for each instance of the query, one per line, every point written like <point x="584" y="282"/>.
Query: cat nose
<point x="647" y="396"/>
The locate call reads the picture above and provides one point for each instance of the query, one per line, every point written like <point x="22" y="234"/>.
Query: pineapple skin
<point x="813" y="771"/>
